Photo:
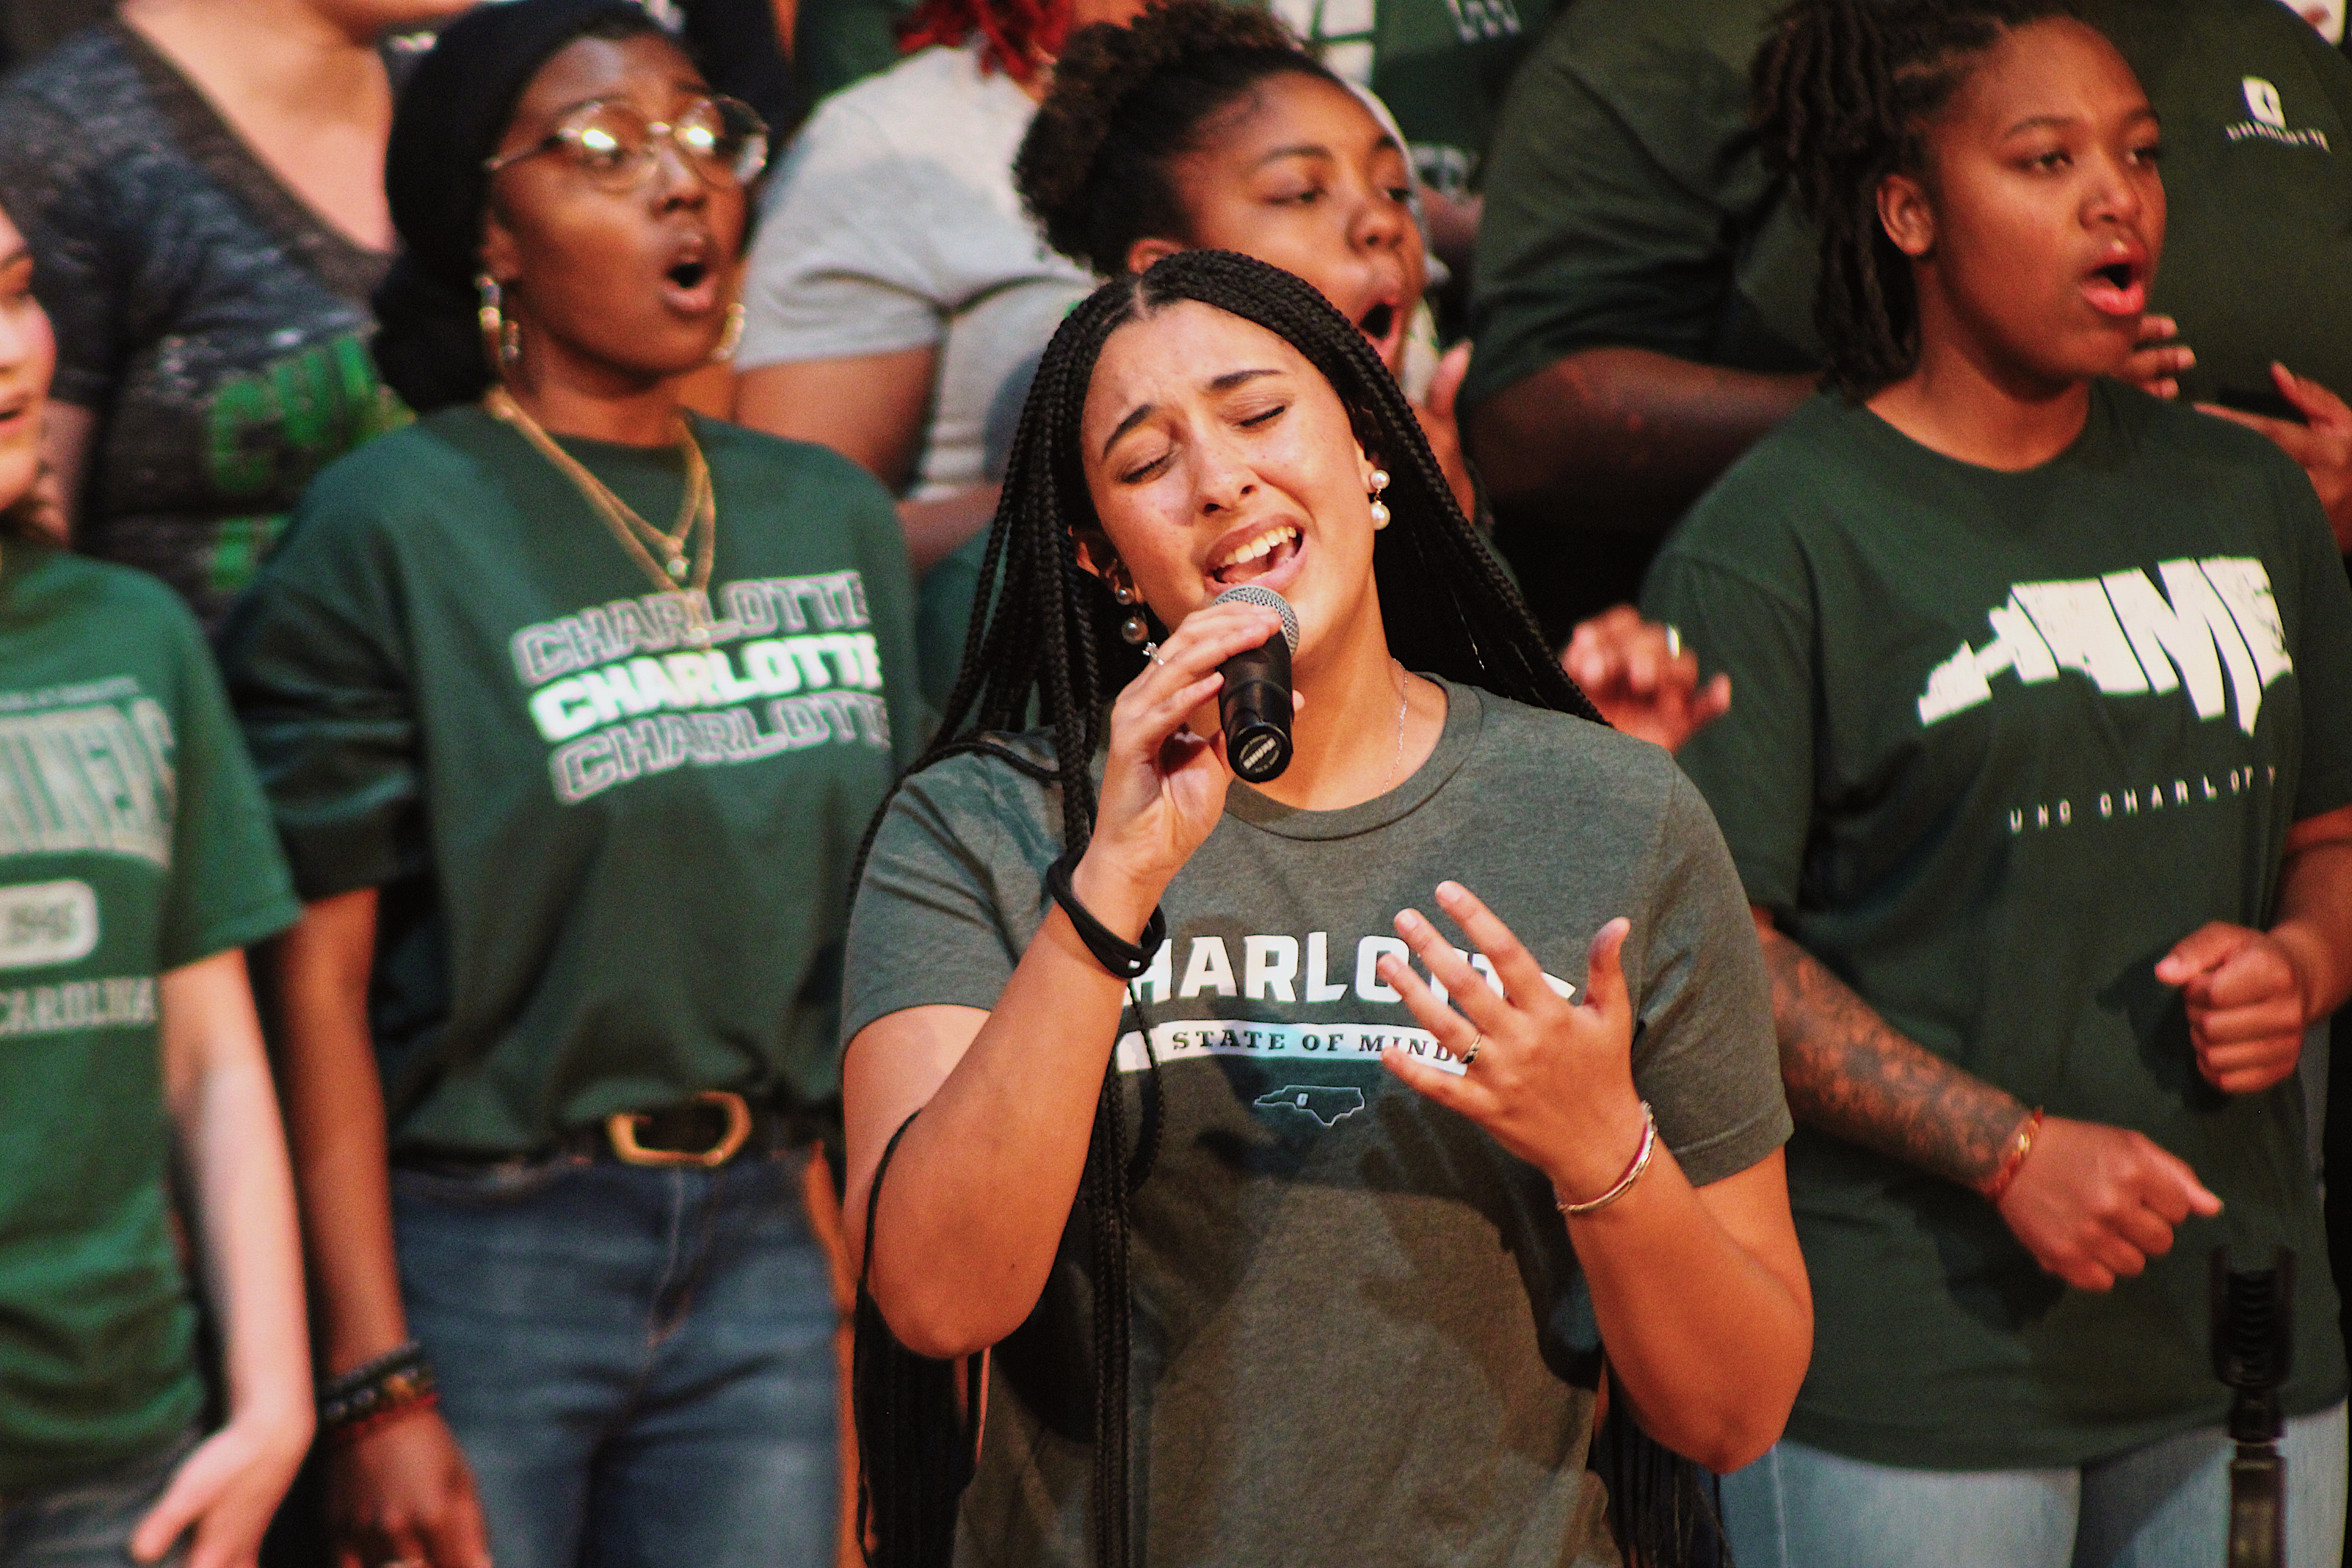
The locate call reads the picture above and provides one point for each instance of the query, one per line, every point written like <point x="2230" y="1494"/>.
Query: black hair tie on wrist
<point x="1125" y="959"/>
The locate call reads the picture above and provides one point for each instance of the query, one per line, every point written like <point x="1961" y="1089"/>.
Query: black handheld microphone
<point x="1254" y="703"/>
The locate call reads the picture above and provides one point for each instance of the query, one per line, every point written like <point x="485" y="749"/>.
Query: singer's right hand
<point x="2094" y="1204"/>
<point x="1163" y="785"/>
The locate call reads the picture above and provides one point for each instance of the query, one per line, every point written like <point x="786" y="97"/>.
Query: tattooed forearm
<point x="1849" y="1073"/>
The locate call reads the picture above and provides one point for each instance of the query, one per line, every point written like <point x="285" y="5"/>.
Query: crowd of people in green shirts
<point x="678" y="663"/>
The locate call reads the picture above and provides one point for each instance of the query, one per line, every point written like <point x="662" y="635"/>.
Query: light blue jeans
<point x="639" y="1363"/>
<point x="2166" y="1505"/>
<point x="87" y="1523"/>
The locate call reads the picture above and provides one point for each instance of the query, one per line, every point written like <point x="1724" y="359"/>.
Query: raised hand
<point x="401" y="1495"/>
<point x="2094" y="1204"/>
<point x="1642" y="679"/>
<point x="1438" y="424"/>
<point x="2247" y="1004"/>
<point x="2158" y="358"/>
<point x="1163" y="785"/>
<point x="1552" y="1080"/>
<point x="2321" y="444"/>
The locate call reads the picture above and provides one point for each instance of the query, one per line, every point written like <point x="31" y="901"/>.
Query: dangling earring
<point x="1134" y="631"/>
<point x="1380" y="508"/>
<point x="732" y="338"/>
<point x="501" y="338"/>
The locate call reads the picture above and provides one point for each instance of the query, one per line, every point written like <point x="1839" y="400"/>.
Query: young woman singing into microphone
<point x="1264" y="1220"/>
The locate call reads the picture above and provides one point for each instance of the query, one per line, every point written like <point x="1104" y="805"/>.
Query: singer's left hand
<point x="1553" y="1079"/>
<point x="2247" y="1004"/>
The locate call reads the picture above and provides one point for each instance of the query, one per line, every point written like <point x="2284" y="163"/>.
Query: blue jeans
<point x="87" y="1523"/>
<point x="2166" y="1505"/>
<point x="639" y="1363"/>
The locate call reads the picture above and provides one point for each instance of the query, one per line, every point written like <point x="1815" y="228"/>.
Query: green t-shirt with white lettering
<point x="1996" y="741"/>
<point x="133" y="840"/>
<point x="611" y="826"/>
<point x="1628" y="205"/>
<point x="1360" y="1337"/>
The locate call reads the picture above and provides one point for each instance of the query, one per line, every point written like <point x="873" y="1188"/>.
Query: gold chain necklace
<point x="639" y="538"/>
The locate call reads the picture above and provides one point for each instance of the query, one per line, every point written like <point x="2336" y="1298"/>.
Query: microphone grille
<point x="1251" y="593"/>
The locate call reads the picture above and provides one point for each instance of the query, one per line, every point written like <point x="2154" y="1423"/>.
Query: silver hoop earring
<point x="732" y="338"/>
<point x="1380" y="508"/>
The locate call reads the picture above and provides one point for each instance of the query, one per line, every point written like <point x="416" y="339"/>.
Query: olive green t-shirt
<point x="1998" y="742"/>
<point x="132" y="841"/>
<point x="1627" y="203"/>
<point x="1360" y="1337"/>
<point x="612" y="827"/>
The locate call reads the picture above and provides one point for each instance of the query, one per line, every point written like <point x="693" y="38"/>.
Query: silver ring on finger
<point x="1152" y="651"/>
<point x="1673" y="642"/>
<point x="1472" y="1054"/>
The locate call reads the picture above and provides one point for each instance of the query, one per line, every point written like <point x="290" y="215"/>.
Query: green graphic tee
<point x="1441" y="66"/>
<point x="1998" y="741"/>
<point x="1628" y="205"/>
<point x="1360" y="1336"/>
<point x="611" y="827"/>
<point x="133" y="840"/>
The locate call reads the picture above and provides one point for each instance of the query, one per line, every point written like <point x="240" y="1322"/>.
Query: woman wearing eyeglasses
<point x="571" y="707"/>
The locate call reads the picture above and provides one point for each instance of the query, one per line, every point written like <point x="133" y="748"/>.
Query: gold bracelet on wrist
<point x="1624" y="1183"/>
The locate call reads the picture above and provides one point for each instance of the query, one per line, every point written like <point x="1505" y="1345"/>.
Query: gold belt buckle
<point x="621" y="1127"/>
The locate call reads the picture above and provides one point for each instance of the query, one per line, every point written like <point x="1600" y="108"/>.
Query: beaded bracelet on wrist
<point x="376" y="1392"/>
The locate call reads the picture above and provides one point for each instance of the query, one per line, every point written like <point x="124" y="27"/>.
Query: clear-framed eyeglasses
<point x="723" y="140"/>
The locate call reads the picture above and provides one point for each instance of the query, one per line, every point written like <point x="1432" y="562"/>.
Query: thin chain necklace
<point x="698" y="511"/>
<point x="1404" y="702"/>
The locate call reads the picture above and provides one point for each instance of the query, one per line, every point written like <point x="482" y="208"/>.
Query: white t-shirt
<point x="892" y="224"/>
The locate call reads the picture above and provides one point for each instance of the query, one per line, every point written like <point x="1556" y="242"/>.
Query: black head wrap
<point x="451" y="116"/>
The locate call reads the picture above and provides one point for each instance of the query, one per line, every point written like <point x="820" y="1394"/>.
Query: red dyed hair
<point x="1021" y="34"/>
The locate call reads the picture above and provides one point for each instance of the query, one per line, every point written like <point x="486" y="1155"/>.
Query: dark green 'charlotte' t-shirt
<point x="1996" y="741"/>
<point x="612" y="827"/>
<point x="132" y="841"/>
<point x="1628" y="205"/>
<point x="1360" y="1336"/>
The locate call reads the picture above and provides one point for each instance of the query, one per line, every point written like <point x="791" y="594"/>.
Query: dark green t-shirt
<point x="1441" y="66"/>
<point x="1996" y="741"/>
<point x="1360" y="1337"/>
<point x="133" y="840"/>
<point x="1627" y="203"/>
<point x="612" y="827"/>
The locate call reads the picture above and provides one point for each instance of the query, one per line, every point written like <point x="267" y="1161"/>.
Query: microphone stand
<point x="2254" y="1344"/>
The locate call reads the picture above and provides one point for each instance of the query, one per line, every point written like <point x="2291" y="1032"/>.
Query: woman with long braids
<point x="1291" y="1251"/>
<point x="2042" y="792"/>
<point x="571" y="707"/>
<point x="1205" y="125"/>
